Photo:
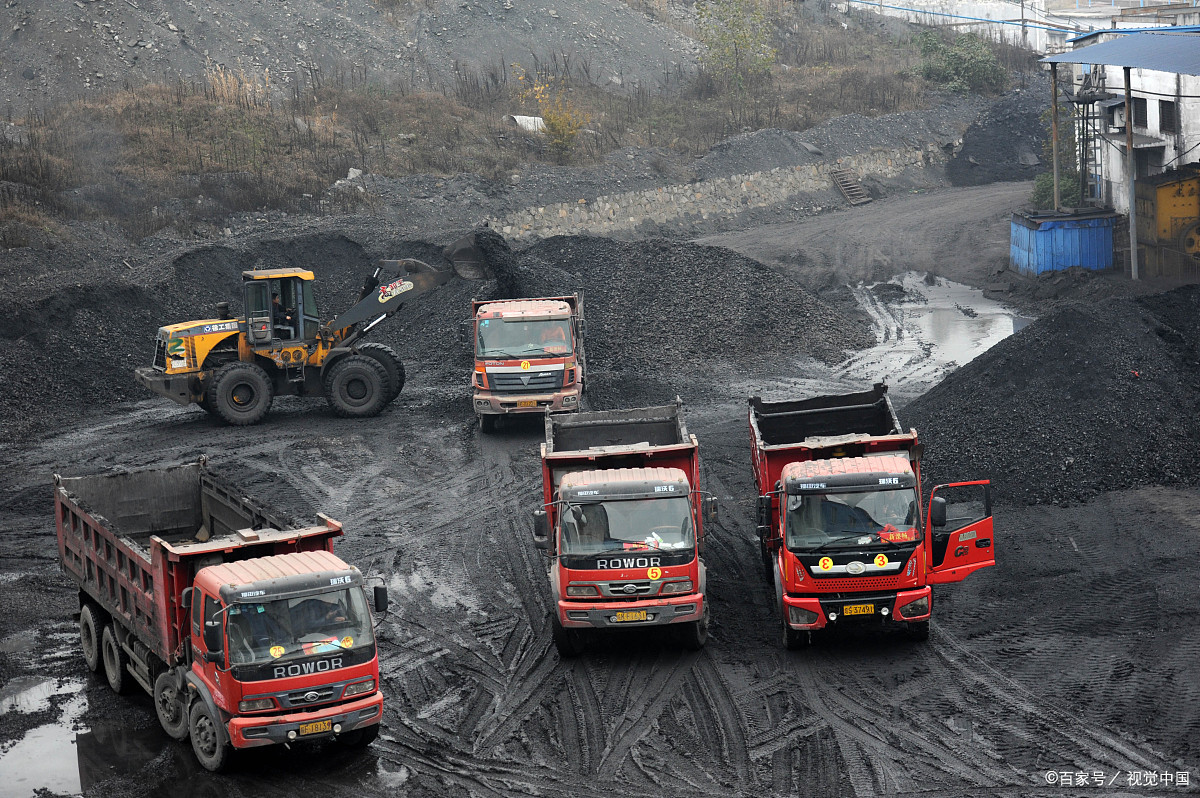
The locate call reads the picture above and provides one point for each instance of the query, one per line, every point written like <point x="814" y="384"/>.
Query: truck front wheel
<point x="89" y="637"/>
<point x="115" y="660"/>
<point x="359" y="738"/>
<point x="210" y="747"/>
<point x="569" y="642"/>
<point x="487" y="423"/>
<point x="794" y="640"/>
<point x="172" y="714"/>
<point x="918" y="630"/>
<point x="694" y="635"/>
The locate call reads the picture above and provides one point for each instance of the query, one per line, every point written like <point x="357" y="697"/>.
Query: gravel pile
<point x="1091" y="398"/>
<point x="839" y="138"/>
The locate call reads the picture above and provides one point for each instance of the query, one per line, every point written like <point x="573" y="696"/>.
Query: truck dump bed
<point x="134" y="540"/>
<point x="645" y="437"/>
<point x="844" y="425"/>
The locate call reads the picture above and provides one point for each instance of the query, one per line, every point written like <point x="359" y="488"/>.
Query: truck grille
<point x="160" y="354"/>
<point x="302" y="698"/>
<point x="539" y="382"/>
<point x="620" y="590"/>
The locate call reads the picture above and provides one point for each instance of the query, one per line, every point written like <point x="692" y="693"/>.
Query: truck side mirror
<point x="582" y="328"/>
<point x="212" y="639"/>
<point x="381" y="598"/>
<point x="541" y="529"/>
<point x="464" y="332"/>
<point x="937" y="511"/>
<point x="185" y="600"/>
<point x="763" y="509"/>
<point x="710" y="509"/>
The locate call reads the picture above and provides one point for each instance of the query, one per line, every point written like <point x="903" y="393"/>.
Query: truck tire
<point x="241" y="393"/>
<point x="392" y="364"/>
<point x="487" y="423"/>
<point x="359" y="738"/>
<point x="356" y="386"/>
<point x="168" y="705"/>
<point x="89" y="638"/>
<point x="917" y="630"/>
<point x="694" y="635"/>
<point x="569" y="642"/>
<point x="208" y="741"/>
<point x="115" y="660"/>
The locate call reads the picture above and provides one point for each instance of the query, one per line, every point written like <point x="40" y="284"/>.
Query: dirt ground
<point x="1073" y="659"/>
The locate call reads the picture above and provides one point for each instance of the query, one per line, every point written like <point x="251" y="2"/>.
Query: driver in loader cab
<point x="284" y="324"/>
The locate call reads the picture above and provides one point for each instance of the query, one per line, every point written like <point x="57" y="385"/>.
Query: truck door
<point x="962" y="543"/>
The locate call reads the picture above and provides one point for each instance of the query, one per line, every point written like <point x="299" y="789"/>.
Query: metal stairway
<point x="849" y="186"/>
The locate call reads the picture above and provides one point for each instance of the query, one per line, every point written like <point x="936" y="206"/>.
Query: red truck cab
<point x="843" y="533"/>
<point x="529" y="356"/>
<point x="623" y="519"/>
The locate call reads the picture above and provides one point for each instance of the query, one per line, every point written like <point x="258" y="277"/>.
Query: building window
<point x="1139" y="112"/>
<point x="1168" y="117"/>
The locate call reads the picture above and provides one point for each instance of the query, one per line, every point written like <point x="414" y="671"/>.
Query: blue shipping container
<point x="1050" y="242"/>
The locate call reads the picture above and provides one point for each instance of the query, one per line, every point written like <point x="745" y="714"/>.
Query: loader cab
<point x="280" y="307"/>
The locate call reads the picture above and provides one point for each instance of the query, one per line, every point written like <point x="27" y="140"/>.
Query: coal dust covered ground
<point x="1074" y="658"/>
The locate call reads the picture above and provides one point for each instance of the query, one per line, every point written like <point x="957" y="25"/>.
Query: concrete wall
<point x="718" y="198"/>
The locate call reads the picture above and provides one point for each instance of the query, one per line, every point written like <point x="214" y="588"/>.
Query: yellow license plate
<point x="858" y="609"/>
<point x="318" y="727"/>
<point x="626" y="616"/>
<point x="526" y="403"/>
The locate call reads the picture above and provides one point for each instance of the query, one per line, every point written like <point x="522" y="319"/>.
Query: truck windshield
<point x="851" y="519"/>
<point x="628" y="525"/>
<point x="288" y="628"/>
<point x="497" y="338"/>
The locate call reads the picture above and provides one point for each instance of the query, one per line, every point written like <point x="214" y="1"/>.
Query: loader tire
<point x="391" y="363"/>
<point x="115" y="660"/>
<point x="242" y="393"/>
<point x="89" y="637"/>
<point x="356" y="386"/>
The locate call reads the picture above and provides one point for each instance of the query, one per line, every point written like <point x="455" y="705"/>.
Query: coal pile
<point x="663" y="316"/>
<point x="1006" y="142"/>
<point x="1088" y="399"/>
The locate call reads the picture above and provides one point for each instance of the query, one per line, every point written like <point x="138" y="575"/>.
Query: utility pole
<point x="1131" y="175"/>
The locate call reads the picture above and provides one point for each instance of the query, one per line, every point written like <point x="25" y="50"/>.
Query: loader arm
<point x="392" y="284"/>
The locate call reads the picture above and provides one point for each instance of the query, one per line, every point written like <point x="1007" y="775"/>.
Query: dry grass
<point x="189" y="154"/>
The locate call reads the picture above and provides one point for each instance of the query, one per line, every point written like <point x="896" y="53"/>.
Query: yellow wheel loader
<point x="234" y="367"/>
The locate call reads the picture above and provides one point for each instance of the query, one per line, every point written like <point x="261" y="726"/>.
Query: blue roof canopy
<point x="1163" y="52"/>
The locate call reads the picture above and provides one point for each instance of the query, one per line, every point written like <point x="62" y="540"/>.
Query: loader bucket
<point x="467" y="259"/>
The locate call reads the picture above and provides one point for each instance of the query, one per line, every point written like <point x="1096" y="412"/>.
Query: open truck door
<point x="960" y="531"/>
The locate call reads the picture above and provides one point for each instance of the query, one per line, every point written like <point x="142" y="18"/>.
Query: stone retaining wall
<point x="706" y="199"/>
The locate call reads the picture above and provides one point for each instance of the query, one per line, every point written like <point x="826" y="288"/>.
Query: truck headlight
<point x="582" y="590"/>
<point x="256" y="705"/>
<point x="916" y="608"/>
<point x="799" y="615"/>
<point x="358" y="688"/>
<point x="684" y="586"/>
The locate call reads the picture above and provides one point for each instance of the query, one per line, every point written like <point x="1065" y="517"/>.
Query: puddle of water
<point x="932" y="330"/>
<point x="32" y="693"/>
<point x="45" y="758"/>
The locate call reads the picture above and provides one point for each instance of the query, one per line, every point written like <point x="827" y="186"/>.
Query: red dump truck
<point x="840" y="520"/>
<point x="246" y="630"/>
<point x="529" y="356"/>
<point x="623" y="520"/>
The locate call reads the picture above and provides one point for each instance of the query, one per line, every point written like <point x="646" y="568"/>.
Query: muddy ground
<point x="1076" y="654"/>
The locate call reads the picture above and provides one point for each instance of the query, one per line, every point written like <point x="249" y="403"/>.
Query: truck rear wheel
<point x="569" y="642"/>
<point x="115" y="660"/>
<point x="89" y="638"/>
<point x="694" y="635"/>
<point x="392" y="364"/>
<point x="172" y="714"/>
<point x="356" y="386"/>
<point x="208" y="743"/>
<point x="241" y="393"/>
